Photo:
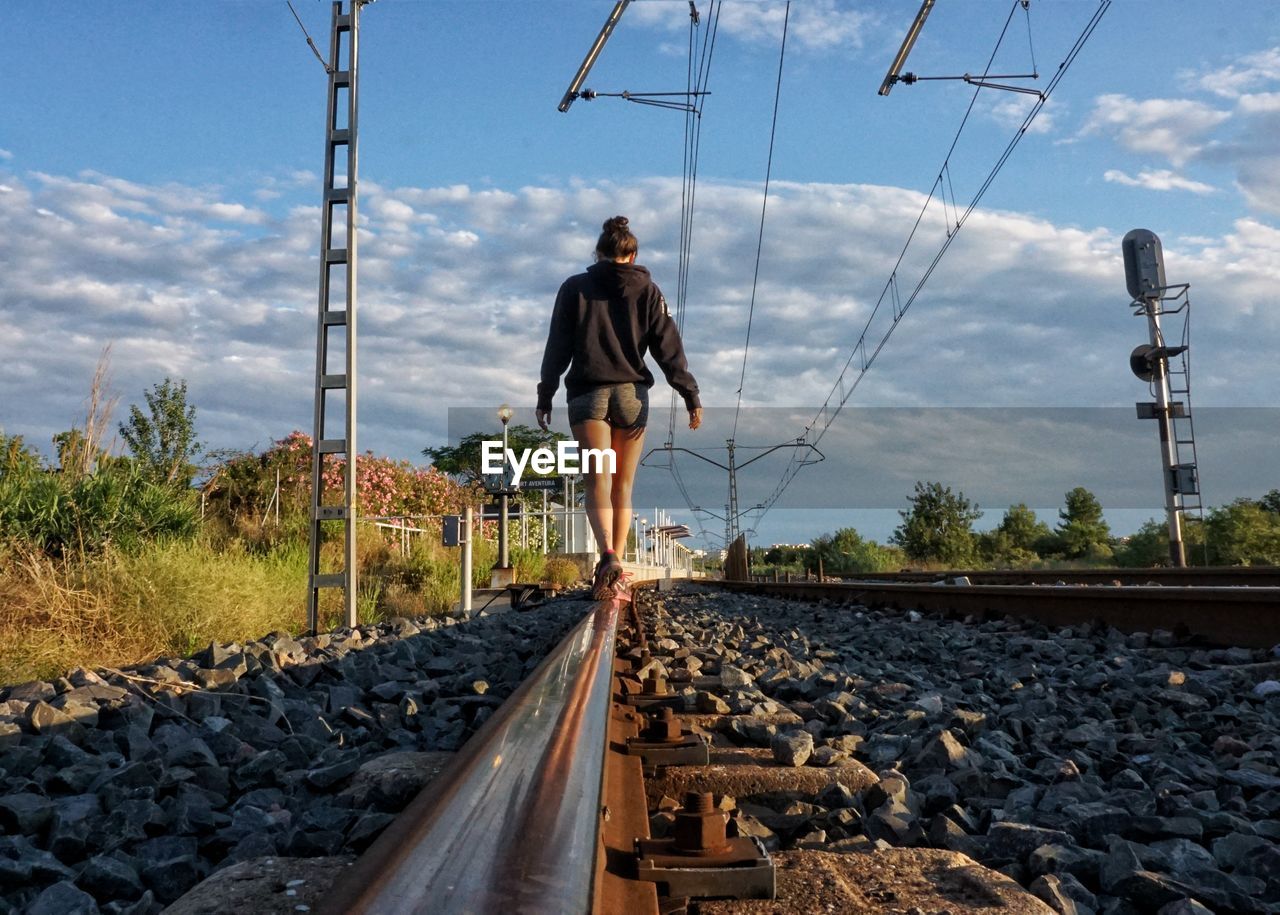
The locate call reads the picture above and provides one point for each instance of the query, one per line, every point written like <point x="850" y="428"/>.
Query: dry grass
<point x="118" y="608"/>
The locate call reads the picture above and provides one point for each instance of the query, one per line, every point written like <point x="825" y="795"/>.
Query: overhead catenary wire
<point x="842" y="390"/>
<point x="697" y="79"/>
<point x="698" y="74"/>
<point x="764" y="207"/>
<point x="310" y="43"/>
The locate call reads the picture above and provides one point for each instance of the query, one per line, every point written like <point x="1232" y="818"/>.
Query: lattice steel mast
<point x="338" y="208"/>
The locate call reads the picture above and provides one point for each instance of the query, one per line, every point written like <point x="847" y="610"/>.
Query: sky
<point x="159" y="192"/>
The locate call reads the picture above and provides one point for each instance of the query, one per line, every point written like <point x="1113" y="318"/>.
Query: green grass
<point x="116" y="607"/>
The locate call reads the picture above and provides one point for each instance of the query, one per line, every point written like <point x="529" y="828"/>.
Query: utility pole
<point x="337" y="313"/>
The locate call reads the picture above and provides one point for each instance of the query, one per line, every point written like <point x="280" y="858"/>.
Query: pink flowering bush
<point x="243" y="485"/>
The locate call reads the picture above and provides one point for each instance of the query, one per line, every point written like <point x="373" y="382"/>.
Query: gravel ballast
<point x="120" y="790"/>
<point x="1104" y="772"/>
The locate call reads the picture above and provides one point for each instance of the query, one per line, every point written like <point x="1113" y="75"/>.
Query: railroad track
<point x="634" y="768"/>
<point x="1243" y="615"/>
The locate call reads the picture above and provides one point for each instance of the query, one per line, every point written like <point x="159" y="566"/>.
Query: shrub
<point x="58" y="514"/>
<point x="561" y="572"/>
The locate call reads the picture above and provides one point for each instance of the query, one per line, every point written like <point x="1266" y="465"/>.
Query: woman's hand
<point x="544" y="418"/>
<point x="695" y="418"/>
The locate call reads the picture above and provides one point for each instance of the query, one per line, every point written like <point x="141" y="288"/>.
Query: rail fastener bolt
<point x="700" y="827"/>
<point x="662" y="727"/>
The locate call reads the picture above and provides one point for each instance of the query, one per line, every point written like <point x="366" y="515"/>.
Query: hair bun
<point x="617" y="223"/>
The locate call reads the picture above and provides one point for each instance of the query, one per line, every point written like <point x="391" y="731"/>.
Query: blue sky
<point x="159" y="169"/>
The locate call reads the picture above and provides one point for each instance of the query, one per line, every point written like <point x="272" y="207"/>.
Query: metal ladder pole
<point x="1168" y="440"/>
<point x="345" y="25"/>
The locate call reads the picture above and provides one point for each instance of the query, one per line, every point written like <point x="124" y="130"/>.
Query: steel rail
<point x="1196" y="576"/>
<point x="514" y="824"/>
<point x="1244" y="617"/>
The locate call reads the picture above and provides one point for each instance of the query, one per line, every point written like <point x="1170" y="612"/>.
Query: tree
<point x="846" y="552"/>
<point x="464" y="459"/>
<point x="1083" y="533"/>
<point x="163" y="440"/>
<point x="1014" y="540"/>
<point x="1146" y="548"/>
<point x="939" y="526"/>
<point x="1271" y="502"/>
<point x="1243" y="533"/>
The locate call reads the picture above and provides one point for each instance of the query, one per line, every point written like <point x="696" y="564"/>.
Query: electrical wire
<point x="764" y="206"/>
<point x="842" y="391"/>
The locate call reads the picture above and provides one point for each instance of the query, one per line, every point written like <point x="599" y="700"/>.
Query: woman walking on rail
<point x="604" y="322"/>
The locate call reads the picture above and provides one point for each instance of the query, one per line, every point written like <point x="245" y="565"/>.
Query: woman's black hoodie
<point x="604" y="322"/>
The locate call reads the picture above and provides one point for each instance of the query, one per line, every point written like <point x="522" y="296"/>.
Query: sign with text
<point x="536" y="483"/>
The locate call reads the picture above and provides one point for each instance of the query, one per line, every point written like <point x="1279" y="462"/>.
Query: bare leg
<point x="628" y="444"/>
<point x="595" y="433"/>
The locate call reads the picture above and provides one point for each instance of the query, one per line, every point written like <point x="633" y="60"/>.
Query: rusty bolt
<point x="700" y="826"/>
<point x="655" y="684"/>
<point x="662" y="726"/>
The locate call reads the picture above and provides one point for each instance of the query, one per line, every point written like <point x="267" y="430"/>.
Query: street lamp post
<point x="504" y="557"/>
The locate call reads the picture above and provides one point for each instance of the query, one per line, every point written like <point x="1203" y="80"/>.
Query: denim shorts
<point x="623" y="406"/>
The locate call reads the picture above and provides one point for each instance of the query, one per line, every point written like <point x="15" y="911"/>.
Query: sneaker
<point x="622" y="587"/>
<point x="607" y="572"/>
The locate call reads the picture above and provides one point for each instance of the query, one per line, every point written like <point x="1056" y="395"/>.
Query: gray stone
<point x="1149" y="827"/>
<point x="192" y="753"/>
<point x="1184" y="907"/>
<point x="752" y="729"/>
<point x="32" y="691"/>
<point x="367" y="827"/>
<point x="73" y="820"/>
<point x="792" y="748"/>
<point x="895" y="823"/>
<point x="326" y="777"/>
<point x="1231" y="849"/>
<point x="1182" y="856"/>
<point x="171" y="877"/>
<point x="828" y="756"/>
<point x="14" y="873"/>
<point x="146" y="905"/>
<point x="1082" y="863"/>
<point x="63" y="899"/>
<point x="43" y="718"/>
<point x="110" y="878"/>
<point x="1016" y="841"/>
<point x="25" y="814"/>
<point x="387" y="783"/>
<point x="735" y="677"/>
<point x="710" y="704"/>
<point x="10" y="735"/>
<point x="1120" y="865"/>
<point x="1048" y="889"/>
<point x="945" y="752"/>
<point x="84" y="713"/>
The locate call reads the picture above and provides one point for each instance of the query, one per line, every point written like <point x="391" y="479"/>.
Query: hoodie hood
<point x="619" y="280"/>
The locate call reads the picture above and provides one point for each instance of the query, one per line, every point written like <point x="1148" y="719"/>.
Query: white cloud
<point x="1170" y="128"/>
<point x="818" y="25"/>
<point x="1259" y="103"/>
<point x="1235" y="81"/>
<point x="1010" y="109"/>
<point x="454" y="302"/>
<point x="5" y="155"/>
<point x="1158" y="180"/>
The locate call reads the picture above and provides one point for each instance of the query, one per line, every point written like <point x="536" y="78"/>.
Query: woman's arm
<point x="667" y="348"/>
<point x="559" y="350"/>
